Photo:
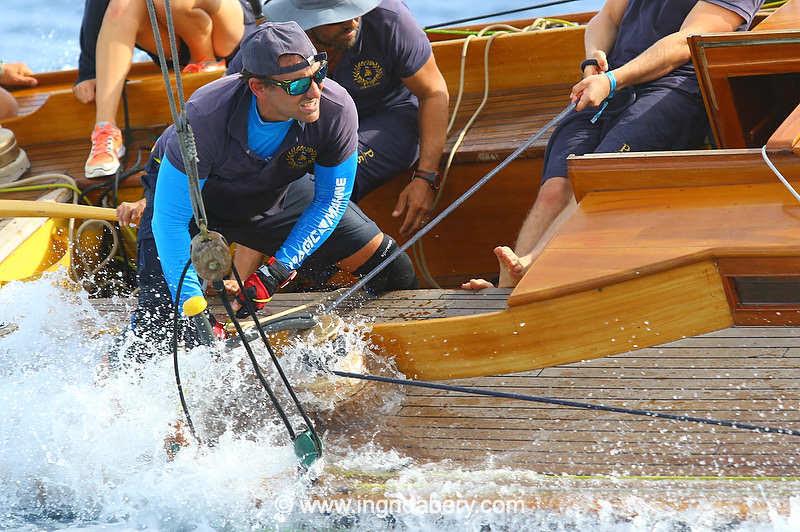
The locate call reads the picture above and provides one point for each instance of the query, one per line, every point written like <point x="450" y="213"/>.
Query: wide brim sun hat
<point x="312" y="13"/>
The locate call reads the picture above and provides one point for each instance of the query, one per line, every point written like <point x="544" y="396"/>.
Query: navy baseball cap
<point x="261" y="49"/>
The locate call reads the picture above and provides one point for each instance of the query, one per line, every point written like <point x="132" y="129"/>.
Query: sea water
<point x="83" y="447"/>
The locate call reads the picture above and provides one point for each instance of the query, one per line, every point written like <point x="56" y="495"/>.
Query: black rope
<point x="571" y="404"/>
<point x="498" y="14"/>
<point x="107" y="184"/>
<point x="252" y="311"/>
<point x="127" y="130"/>
<point x="221" y="289"/>
<point x="175" y="329"/>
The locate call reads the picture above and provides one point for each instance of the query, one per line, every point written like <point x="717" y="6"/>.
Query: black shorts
<point x="267" y="233"/>
<point x="647" y="118"/>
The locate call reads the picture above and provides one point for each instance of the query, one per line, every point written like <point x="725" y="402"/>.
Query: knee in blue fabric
<point x="399" y="275"/>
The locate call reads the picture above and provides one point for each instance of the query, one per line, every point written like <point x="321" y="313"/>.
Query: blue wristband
<point x="612" y="79"/>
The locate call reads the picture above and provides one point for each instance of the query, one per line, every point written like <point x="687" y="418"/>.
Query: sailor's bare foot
<point x="476" y="284"/>
<point x="512" y="267"/>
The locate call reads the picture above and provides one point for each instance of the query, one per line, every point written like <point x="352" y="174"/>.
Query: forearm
<point x="332" y="189"/>
<point x="172" y="212"/>
<point x="601" y="32"/>
<point x="246" y="260"/>
<point x="432" y="129"/>
<point x="657" y="61"/>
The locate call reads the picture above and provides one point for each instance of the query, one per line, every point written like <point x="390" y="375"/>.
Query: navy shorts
<point x="354" y="231"/>
<point x="267" y="233"/>
<point x="646" y="118"/>
<point x="388" y="143"/>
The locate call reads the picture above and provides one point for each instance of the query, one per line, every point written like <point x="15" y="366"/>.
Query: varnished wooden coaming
<point x="605" y="172"/>
<point x="787" y="137"/>
<point x="749" y="80"/>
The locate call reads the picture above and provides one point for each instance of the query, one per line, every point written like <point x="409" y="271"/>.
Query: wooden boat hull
<point x="643" y="260"/>
<point x="458" y="249"/>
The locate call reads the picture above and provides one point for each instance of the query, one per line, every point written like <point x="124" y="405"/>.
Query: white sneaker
<point x="107" y="148"/>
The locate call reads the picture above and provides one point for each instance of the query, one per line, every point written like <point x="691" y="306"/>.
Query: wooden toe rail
<point x="605" y="172"/>
<point x="50" y="112"/>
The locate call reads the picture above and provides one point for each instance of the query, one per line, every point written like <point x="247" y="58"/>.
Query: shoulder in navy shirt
<point x="647" y="21"/>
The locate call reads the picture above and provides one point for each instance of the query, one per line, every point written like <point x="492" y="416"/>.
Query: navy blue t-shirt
<point x="390" y="46"/>
<point x="647" y="21"/>
<point x="242" y="184"/>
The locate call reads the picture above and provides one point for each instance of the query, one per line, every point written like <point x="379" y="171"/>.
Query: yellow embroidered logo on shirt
<point x="367" y="73"/>
<point x="364" y="155"/>
<point x="301" y="156"/>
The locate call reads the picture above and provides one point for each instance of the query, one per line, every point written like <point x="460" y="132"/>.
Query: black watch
<point x="431" y="177"/>
<point x="588" y="62"/>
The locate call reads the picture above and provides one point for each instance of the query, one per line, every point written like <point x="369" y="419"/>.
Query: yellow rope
<point x="50" y="186"/>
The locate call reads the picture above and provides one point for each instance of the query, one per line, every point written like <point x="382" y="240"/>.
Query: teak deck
<point x="743" y="374"/>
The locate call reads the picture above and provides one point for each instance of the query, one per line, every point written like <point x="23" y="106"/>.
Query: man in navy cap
<point x="378" y="52"/>
<point x="639" y="93"/>
<point x="259" y="135"/>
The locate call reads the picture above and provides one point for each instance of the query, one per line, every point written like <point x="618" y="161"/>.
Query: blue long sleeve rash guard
<point x="172" y="209"/>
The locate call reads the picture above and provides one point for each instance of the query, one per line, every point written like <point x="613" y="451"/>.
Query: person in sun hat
<point x="638" y="65"/>
<point x="378" y="52"/>
<point x="207" y="30"/>
<point x="260" y="134"/>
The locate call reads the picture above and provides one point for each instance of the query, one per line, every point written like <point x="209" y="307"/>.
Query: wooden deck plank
<point x="746" y="374"/>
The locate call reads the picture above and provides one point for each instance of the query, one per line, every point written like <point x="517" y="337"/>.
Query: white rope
<point x="777" y="172"/>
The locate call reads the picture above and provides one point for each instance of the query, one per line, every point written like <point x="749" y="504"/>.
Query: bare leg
<point x="356" y="260"/>
<point x="548" y="213"/>
<point x="8" y="104"/>
<point x="121" y="24"/>
<point x="210" y="28"/>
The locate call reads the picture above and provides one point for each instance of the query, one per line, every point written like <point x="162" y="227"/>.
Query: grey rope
<point x="184" y="130"/>
<point x="450" y="208"/>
